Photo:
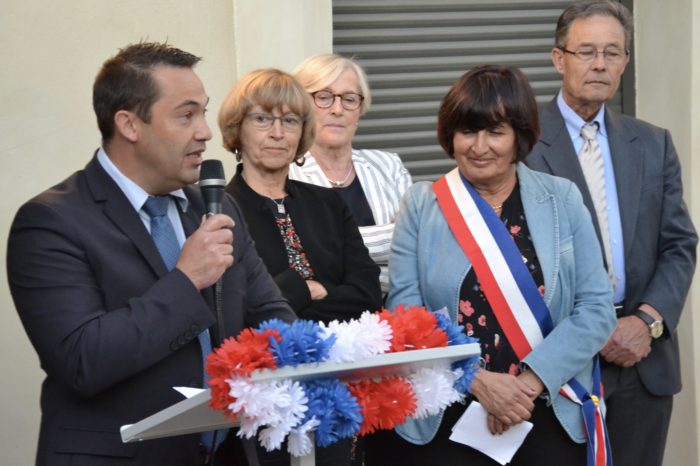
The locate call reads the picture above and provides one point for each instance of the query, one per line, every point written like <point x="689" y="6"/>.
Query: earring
<point x="237" y="154"/>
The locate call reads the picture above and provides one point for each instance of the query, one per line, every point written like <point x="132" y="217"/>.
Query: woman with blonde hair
<point x="372" y="182"/>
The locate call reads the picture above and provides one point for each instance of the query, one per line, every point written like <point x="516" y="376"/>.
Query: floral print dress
<point x="475" y="312"/>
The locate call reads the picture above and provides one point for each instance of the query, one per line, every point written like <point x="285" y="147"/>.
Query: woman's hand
<point x="317" y="290"/>
<point x="507" y="399"/>
<point x="529" y="378"/>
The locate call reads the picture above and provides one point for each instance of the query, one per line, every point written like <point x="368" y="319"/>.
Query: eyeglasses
<point x="326" y="99"/>
<point x="290" y="122"/>
<point x="611" y="55"/>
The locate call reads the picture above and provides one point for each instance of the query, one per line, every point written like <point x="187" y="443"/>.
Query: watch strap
<point x="644" y="316"/>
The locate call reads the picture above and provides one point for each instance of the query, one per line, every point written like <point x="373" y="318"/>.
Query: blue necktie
<point x="162" y="230"/>
<point x="163" y="235"/>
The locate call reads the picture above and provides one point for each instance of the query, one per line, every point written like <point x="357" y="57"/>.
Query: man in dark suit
<point x="650" y="238"/>
<point x="115" y="330"/>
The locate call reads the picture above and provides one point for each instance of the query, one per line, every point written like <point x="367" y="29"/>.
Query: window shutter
<point x="413" y="51"/>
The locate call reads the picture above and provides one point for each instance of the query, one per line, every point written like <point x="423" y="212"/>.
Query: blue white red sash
<point x="512" y="293"/>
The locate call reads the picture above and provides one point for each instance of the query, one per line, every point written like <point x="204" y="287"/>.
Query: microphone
<point x="212" y="183"/>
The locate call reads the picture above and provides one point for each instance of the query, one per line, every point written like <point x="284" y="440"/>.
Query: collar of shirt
<point x="137" y="196"/>
<point x="574" y="122"/>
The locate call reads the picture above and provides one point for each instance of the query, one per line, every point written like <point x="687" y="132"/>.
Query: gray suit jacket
<point x="659" y="237"/>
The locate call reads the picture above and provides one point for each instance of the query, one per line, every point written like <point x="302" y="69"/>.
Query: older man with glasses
<point x="630" y="177"/>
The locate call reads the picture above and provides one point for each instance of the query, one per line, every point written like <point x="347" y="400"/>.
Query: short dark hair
<point x="586" y="9"/>
<point x="125" y="81"/>
<point x="484" y="97"/>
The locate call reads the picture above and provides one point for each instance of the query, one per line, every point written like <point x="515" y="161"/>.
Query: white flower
<point x="272" y="437"/>
<point x="280" y="403"/>
<point x="358" y="339"/>
<point x="300" y="441"/>
<point x="434" y="389"/>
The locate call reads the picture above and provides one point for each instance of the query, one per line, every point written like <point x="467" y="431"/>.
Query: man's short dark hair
<point x="485" y="97"/>
<point x="125" y="82"/>
<point x="586" y="9"/>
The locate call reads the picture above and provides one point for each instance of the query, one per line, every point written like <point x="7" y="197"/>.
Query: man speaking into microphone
<point x="112" y="270"/>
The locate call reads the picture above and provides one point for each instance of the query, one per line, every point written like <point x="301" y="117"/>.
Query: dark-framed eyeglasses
<point x="290" y="121"/>
<point x="349" y="100"/>
<point x="612" y="55"/>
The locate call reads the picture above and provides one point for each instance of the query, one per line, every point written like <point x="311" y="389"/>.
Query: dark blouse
<point x="323" y="229"/>
<point x="354" y="197"/>
<point x="475" y="312"/>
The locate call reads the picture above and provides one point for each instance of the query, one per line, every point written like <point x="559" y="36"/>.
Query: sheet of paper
<point x="188" y="392"/>
<point x="471" y="429"/>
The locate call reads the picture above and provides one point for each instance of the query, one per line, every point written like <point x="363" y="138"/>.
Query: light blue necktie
<point x="163" y="235"/>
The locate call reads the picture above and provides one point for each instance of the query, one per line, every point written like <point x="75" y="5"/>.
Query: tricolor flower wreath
<point x="329" y="408"/>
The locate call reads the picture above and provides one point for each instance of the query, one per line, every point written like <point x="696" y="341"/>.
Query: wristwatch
<point x="656" y="328"/>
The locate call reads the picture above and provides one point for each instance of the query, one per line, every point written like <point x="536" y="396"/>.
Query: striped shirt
<point x="384" y="180"/>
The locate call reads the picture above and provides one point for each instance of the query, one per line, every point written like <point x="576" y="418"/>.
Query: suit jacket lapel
<point x="118" y="209"/>
<point x="628" y="163"/>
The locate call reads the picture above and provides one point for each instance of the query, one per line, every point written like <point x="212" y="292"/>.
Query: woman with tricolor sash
<point x="512" y="255"/>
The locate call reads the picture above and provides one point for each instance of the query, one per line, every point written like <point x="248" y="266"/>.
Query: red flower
<point x="384" y="404"/>
<point x="470" y="329"/>
<point x="541" y="289"/>
<point x="413" y="328"/>
<point x="482" y="320"/>
<point x="515" y="229"/>
<point x="238" y="357"/>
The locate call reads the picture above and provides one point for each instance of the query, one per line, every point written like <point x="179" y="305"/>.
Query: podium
<point x="195" y="415"/>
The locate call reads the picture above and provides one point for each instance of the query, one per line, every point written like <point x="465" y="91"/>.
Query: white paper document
<point x="472" y="430"/>
<point x="189" y="392"/>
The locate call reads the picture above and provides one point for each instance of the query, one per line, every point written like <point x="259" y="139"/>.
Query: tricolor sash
<point x="512" y="293"/>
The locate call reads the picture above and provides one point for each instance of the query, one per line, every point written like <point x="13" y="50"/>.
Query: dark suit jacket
<point x="114" y="330"/>
<point x="659" y="237"/>
<point x="332" y="244"/>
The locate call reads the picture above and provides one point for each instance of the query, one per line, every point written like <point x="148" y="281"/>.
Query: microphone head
<point x="211" y="184"/>
<point x="211" y="173"/>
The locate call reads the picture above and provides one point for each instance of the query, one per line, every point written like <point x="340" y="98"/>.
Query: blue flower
<point x="456" y="336"/>
<point x="455" y="332"/>
<point x="302" y="342"/>
<point x="338" y="412"/>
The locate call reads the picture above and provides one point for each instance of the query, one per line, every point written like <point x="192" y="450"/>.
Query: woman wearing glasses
<point x="372" y="182"/>
<point x="305" y="235"/>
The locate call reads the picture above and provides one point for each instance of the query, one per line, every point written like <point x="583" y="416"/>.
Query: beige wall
<point x="50" y="55"/>
<point x="47" y="130"/>
<point x="668" y="94"/>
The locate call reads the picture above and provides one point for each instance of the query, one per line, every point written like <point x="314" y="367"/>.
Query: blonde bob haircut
<point x="318" y="72"/>
<point x="270" y="89"/>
